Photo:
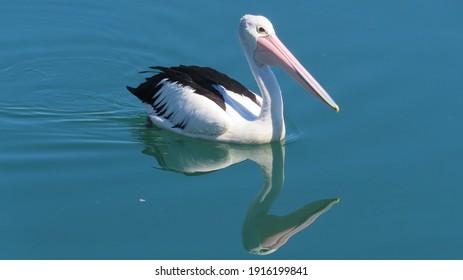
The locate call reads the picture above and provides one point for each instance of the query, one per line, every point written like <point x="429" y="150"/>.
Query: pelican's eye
<point x="261" y="30"/>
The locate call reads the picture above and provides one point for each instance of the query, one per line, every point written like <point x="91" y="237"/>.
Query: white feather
<point x="198" y="114"/>
<point x="240" y="106"/>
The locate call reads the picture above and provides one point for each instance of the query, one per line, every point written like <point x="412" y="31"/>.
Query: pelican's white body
<point x="240" y="122"/>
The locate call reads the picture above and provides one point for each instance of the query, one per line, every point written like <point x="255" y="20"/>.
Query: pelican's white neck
<point x="272" y="102"/>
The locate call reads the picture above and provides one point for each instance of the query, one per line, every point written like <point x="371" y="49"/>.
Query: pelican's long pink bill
<point x="270" y="50"/>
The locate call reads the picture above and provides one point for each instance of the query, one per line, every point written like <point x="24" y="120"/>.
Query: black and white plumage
<point x="183" y="85"/>
<point x="204" y="103"/>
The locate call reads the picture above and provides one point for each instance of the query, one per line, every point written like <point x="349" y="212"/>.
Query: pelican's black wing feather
<point x="201" y="79"/>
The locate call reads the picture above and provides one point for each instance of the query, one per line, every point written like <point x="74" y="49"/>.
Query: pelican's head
<point x="263" y="47"/>
<point x="254" y="27"/>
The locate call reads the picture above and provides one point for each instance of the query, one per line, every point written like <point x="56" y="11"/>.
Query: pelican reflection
<point x="262" y="232"/>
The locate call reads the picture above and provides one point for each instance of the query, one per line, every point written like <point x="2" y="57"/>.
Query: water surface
<point x="84" y="176"/>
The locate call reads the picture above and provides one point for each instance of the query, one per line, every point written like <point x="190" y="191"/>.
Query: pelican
<point x="201" y="102"/>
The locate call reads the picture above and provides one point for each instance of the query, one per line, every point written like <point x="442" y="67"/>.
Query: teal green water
<point x="84" y="176"/>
